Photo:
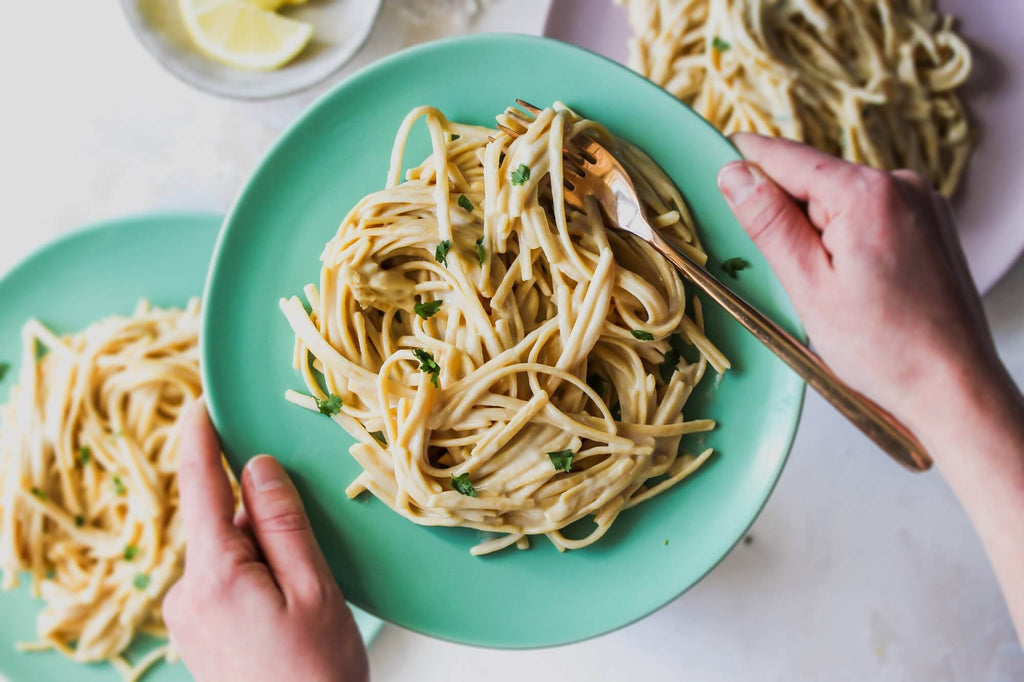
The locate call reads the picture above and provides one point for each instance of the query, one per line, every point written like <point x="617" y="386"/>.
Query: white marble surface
<point x="856" y="571"/>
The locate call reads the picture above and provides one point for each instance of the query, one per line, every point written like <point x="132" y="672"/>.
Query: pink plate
<point x="990" y="204"/>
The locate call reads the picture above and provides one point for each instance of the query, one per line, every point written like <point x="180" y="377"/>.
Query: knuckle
<point x="770" y="217"/>
<point x="286" y="519"/>
<point x="914" y="178"/>
<point x="877" y="184"/>
<point x="314" y="591"/>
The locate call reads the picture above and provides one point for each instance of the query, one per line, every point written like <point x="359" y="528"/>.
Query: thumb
<point x="281" y="527"/>
<point x="777" y="225"/>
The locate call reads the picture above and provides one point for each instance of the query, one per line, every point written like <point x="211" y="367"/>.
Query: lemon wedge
<point x="244" y="35"/>
<point x="274" y="5"/>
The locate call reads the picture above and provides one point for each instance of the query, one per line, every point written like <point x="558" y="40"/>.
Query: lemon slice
<point x="243" y="35"/>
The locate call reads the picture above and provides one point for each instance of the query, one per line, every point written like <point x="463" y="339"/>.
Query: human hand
<point x="257" y="600"/>
<point x="874" y="268"/>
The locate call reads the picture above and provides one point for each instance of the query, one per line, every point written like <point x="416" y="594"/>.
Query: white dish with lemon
<point x="252" y="49"/>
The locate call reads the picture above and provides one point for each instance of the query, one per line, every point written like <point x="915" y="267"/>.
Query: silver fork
<point x="593" y="171"/>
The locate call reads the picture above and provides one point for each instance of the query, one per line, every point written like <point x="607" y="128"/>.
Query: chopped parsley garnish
<point x="465" y="203"/>
<point x="428" y="309"/>
<point x="38" y="493"/>
<point x="596" y="382"/>
<point x="666" y="543"/>
<point x="642" y="335"/>
<point x="562" y="460"/>
<point x="617" y="412"/>
<point x="119" y="486"/>
<point x="481" y="250"/>
<point x="521" y="175"/>
<point x="455" y="136"/>
<point x="141" y="581"/>
<point x="4" y="367"/>
<point x="79" y="520"/>
<point x="379" y="436"/>
<point x="734" y="265"/>
<point x="672" y="357"/>
<point x="130" y="552"/>
<point x="84" y="455"/>
<point x="428" y="365"/>
<point x="441" y="252"/>
<point x="719" y="45"/>
<point x="330" y="406"/>
<point x="463" y="485"/>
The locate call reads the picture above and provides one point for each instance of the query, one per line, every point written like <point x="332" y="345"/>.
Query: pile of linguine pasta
<point x="872" y="81"/>
<point x="88" y="479"/>
<point x="504" y="362"/>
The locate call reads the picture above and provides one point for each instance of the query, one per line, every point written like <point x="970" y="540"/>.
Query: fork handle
<point x="880" y="426"/>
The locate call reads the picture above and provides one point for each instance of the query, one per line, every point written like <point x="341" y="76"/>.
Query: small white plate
<point x="989" y="205"/>
<point x="339" y="29"/>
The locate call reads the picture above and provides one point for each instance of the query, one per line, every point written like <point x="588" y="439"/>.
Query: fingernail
<point x="266" y="473"/>
<point x="737" y="181"/>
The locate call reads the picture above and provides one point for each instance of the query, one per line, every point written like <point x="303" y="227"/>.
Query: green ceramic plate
<point x="424" y="578"/>
<point x="87" y="275"/>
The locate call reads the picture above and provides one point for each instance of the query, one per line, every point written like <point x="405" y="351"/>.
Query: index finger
<point x="804" y="172"/>
<point x="207" y="503"/>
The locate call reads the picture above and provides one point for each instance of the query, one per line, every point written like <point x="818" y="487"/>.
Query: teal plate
<point x="424" y="578"/>
<point x="89" y="274"/>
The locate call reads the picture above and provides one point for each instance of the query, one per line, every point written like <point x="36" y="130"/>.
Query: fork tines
<point x="575" y="158"/>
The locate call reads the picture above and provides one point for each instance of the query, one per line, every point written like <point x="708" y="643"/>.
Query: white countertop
<point x="857" y="570"/>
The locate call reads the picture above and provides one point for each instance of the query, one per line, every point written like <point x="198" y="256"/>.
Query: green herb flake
<point x="481" y="250"/>
<point x="521" y="175"/>
<point x="441" y="252"/>
<point x="455" y="136"/>
<point x="428" y="365"/>
<point x="642" y="335"/>
<point x="672" y="357"/>
<point x="38" y="493"/>
<point x="141" y="581"/>
<point x="79" y="520"/>
<point x="428" y="309"/>
<point x="734" y="265"/>
<point x="379" y="437"/>
<point x="130" y="552"/>
<point x="562" y="460"/>
<point x="119" y="486"/>
<point x="748" y="540"/>
<point x="597" y="382"/>
<point x="719" y="45"/>
<point x="462" y="484"/>
<point x="84" y="455"/>
<point x="330" y="406"/>
<point x="4" y="368"/>
<point x="666" y="543"/>
<point x="669" y="365"/>
<point x="465" y="203"/>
